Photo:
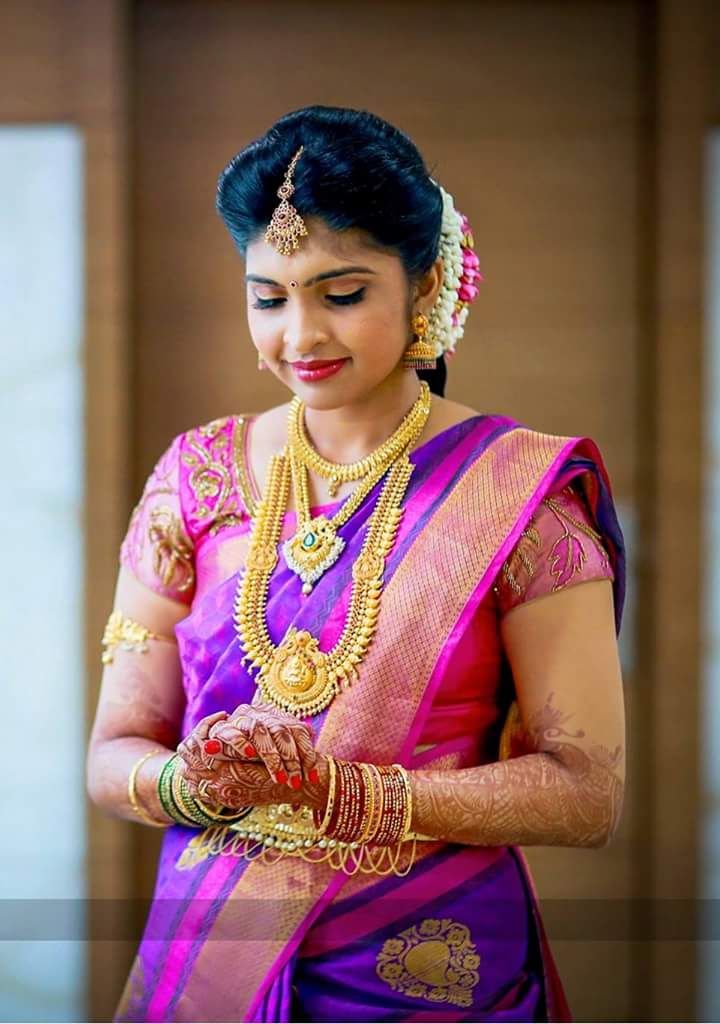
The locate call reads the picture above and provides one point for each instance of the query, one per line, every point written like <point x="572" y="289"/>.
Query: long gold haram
<point x="338" y="472"/>
<point x="297" y="676"/>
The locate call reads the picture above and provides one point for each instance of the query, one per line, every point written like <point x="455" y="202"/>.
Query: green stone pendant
<point x="312" y="550"/>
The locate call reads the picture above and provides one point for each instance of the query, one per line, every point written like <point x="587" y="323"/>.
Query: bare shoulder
<point x="269" y="428"/>
<point x="446" y="413"/>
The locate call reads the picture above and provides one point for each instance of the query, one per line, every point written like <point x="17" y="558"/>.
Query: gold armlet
<point x="127" y="634"/>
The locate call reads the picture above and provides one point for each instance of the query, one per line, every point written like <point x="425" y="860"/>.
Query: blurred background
<point x="582" y="139"/>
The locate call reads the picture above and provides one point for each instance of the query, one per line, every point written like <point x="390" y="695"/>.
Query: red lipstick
<point x="318" y="369"/>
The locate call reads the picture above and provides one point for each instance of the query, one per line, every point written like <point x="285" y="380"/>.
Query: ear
<point x="428" y="287"/>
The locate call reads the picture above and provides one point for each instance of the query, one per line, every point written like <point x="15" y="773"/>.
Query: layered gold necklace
<point x="296" y="675"/>
<point x="316" y="544"/>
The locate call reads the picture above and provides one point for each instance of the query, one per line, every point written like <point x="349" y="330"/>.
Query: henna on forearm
<point x="558" y="795"/>
<point x="136" y="719"/>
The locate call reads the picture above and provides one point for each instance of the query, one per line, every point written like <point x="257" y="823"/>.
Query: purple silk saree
<point x="460" y="936"/>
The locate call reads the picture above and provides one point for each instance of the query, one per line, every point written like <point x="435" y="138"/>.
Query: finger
<point x="189" y="751"/>
<point x="284" y="740"/>
<point x="235" y="741"/>
<point x="268" y="753"/>
<point x="308" y="754"/>
<point x="202" y="728"/>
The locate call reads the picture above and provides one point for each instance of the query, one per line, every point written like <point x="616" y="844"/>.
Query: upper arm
<point x="561" y="644"/>
<point x="141" y="692"/>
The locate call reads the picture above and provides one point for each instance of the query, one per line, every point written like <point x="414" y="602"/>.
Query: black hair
<point x="356" y="171"/>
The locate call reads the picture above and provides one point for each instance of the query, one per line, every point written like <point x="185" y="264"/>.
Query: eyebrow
<point x="325" y="276"/>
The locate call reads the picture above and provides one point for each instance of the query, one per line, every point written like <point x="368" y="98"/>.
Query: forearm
<point x="109" y="765"/>
<point x="539" y="799"/>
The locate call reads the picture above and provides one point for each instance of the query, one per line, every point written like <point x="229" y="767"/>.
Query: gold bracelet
<point x="132" y="794"/>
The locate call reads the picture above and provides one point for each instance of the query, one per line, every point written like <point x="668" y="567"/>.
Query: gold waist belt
<point x="274" y="831"/>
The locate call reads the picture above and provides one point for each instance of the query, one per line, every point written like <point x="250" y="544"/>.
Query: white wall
<point x="41" y="670"/>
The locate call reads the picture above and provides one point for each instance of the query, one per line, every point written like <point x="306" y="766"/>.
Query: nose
<point x="303" y="333"/>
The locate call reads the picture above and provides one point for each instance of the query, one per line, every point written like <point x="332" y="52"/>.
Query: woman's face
<point x="350" y="303"/>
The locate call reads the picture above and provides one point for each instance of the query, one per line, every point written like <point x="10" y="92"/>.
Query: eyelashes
<point x="337" y="300"/>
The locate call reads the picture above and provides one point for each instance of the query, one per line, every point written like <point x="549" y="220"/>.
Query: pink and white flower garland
<point x="461" y="276"/>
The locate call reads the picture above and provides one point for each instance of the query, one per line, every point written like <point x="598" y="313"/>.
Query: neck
<point x="350" y="432"/>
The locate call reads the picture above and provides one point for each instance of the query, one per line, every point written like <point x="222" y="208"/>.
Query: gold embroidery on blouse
<point x="241" y="472"/>
<point x="435" y="960"/>
<point x="172" y="549"/>
<point x="217" y="473"/>
<point x="532" y="534"/>
<point x="522" y="552"/>
<point x="210" y="477"/>
<point x="559" y="563"/>
<point x="160" y="483"/>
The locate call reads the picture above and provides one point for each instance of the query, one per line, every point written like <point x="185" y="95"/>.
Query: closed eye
<point x="336" y="300"/>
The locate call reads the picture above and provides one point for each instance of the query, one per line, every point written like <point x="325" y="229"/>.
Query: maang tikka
<point x="286" y="226"/>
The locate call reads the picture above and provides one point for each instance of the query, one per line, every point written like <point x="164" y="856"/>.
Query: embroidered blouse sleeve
<point x="559" y="547"/>
<point x="157" y="548"/>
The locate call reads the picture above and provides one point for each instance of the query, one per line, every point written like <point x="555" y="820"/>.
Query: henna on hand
<point x="266" y="756"/>
<point x="191" y="747"/>
<point x="280" y="741"/>
<point x="234" y="784"/>
<point x="559" y="795"/>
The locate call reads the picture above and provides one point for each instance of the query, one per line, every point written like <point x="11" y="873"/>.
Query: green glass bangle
<point x="165" y="793"/>
<point x="190" y="807"/>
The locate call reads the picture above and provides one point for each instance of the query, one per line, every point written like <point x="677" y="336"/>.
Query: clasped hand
<point x="256" y="755"/>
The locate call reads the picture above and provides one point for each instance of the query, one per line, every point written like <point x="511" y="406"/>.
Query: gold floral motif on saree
<point x="172" y="549"/>
<point x="435" y="960"/>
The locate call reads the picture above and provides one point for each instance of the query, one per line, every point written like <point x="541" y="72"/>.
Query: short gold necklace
<point x="338" y="472"/>
<point x="316" y="545"/>
<point x="296" y="675"/>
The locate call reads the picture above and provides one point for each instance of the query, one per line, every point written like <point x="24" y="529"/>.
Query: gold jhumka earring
<point x="286" y="226"/>
<point x="420" y="354"/>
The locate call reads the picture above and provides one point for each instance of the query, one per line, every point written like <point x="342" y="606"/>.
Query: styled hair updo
<point x="356" y="171"/>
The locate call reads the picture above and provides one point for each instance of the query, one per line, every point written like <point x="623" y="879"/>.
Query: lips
<point x="317" y="364"/>
<point x="318" y="370"/>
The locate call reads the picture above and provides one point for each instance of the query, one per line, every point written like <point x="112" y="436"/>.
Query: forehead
<point x="319" y="248"/>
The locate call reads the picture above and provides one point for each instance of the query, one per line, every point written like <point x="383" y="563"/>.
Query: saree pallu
<point x="460" y="937"/>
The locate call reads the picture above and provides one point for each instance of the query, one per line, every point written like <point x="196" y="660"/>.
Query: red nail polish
<point x="281" y="777"/>
<point x="314" y="775"/>
<point x="212" y="746"/>
<point x="249" y="750"/>
<point x="295" y="781"/>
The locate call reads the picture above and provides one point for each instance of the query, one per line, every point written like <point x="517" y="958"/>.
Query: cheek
<point x="378" y="319"/>
<point x="263" y="331"/>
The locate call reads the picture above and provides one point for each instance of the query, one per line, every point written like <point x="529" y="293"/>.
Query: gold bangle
<point x="132" y="794"/>
<point x="405" y="776"/>
<point x="330" y="805"/>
